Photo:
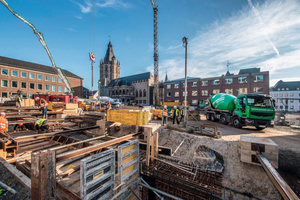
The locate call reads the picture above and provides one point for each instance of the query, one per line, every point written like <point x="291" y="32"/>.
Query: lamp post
<point x="185" y="43"/>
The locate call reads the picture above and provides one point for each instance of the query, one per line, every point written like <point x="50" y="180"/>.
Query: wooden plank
<point x="65" y="191"/>
<point x="152" y="145"/>
<point x="156" y="145"/>
<point x="148" y="146"/>
<point x="161" y="149"/>
<point x="24" y="180"/>
<point x="95" y="147"/>
<point x="23" y="169"/>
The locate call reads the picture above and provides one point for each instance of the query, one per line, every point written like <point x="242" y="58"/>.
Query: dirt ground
<point x="240" y="175"/>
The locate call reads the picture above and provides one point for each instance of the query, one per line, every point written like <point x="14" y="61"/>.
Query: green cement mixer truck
<point x="244" y="110"/>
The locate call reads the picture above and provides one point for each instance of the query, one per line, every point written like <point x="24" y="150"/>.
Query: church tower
<point x="109" y="69"/>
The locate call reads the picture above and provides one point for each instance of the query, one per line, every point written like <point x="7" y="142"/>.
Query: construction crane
<point x="156" y="68"/>
<point x="40" y="36"/>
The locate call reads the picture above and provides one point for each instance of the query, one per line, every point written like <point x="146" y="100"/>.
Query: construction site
<point x="61" y="147"/>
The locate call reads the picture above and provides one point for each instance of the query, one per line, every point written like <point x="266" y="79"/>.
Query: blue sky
<point x="248" y="33"/>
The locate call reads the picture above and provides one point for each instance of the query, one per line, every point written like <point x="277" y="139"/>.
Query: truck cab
<point x="253" y="110"/>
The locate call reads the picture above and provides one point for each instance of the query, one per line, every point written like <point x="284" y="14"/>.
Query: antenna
<point x="227" y="65"/>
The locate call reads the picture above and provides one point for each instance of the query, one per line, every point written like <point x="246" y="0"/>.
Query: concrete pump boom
<point x="40" y="36"/>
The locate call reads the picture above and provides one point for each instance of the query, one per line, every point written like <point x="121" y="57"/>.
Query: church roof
<point x="109" y="53"/>
<point x="127" y="79"/>
<point x="249" y="70"/>
<point x="290" y="85"/>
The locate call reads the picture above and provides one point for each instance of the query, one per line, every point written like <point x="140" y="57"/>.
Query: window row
<point x="33" y="86"/>
<point x="140" y="101"/>
<point x="31" y="75"/>
<point x="291" y="107"/>
<point x="176" y="85"/>
<point x="286" y="101"/>
<point x="286" y="95"/>
<point x="286" y="89"/>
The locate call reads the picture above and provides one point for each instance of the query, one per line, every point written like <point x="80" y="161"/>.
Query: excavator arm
<point x="40" y="36"/>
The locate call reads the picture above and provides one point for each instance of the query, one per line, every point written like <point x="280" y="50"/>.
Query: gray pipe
<point x="6" y="187"/>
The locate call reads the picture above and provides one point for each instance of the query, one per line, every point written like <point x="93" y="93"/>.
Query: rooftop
<point x="183" y="79"/>
<point x="249" y="70"/>
<point x="127" y="79"/>
<point x="33" y="66"/>
<point x="291" y="85"/>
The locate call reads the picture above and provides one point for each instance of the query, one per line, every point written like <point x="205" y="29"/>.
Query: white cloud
<point x="242" y="40"/>
<point x="87" y="5"/>
<point x="78" y="17"/>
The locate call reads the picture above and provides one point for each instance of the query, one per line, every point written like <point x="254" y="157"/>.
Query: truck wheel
<point x="155" y="117"/>
<point x="236" y="122"/>
<point x="213" y="118"/>
<point x="208" y="116"/>
<point x="223" y="120"/>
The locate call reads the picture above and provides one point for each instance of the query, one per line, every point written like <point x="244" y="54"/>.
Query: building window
<point x="176" y="94"/>
<point x="47" y="87"/>
<point x="145" y="94"/>
<point x="30" y="96"/>
<point x="40" y="77"/>
<point x="184" y="93"/>
<point x="54" y="88"/>
<point x="53" y="79"/>
<point x="291" y="94"/>
<point x="291" y="101"/>
<point x="242" y="90"/>
<point x="228" y="91"/>
<point x="194" y="102"/>
<point x="23" y="74"/>
<point x="204" y="83"/>
<point x="140" y="101"/>
<point x="275" y="95"/>
<point x="4" y="71"/>
<point x="194" y="93"/>
<point x="136" y="93"/>
<point x="286" y="94"/>
<point x="287" y="88"/>
<point x="40" y="86"/>
<point x="169" y="94"/>
<point x="298" y="88"/>
<point x="228" y="81"/>
<point x="278" y="89"/>
<point x="60" y="88"/>
<point x="136" y="101"/>
<point x="258" y="90"/>
<point x="168" y="86"/>
<point x="4" y="83"/>
<point x="194" y="84"/>
<point x="242" y="79"/>
<point x="281" y="107"/>
<point x="183" y="85"/>
<point x="216" y="82"/>
<point x="282" y="89"/>
<point x="66" y="89"/>
<point x="47" y="78"/>
<point x="31" y="76"/>
<point x="176" y="101"/>
<point x="144" y="101"/>
<point x="276" y="101"/>
<point x="258" y="78"/>
<point x="141" y="94"/>
<point x="23" y="85"/>
<point x="59" y="80"/>
<point x="280" y="95"/>
<point x="31" y="86"/>
<point x="216" y="91"/>
<point x="204" y="92"/>
<point x="291" y="107"/>
<point x="176" y="85"/>
<point x="14" y="84"/>
<point x="14" y="73"/>
<point x="4" y="94"/>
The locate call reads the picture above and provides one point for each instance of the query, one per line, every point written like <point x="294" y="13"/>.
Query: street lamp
<point x="185" y="43"/>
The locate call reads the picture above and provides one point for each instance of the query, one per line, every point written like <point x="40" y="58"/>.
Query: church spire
<point x="166" y="78"/>
<point x="109" y="53"/>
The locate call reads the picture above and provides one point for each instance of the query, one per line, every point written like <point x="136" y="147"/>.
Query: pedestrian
<point x="19" y="100"/>
<point x="175" y="115"/>
<point x="40" y="124"/>
<point x="165" y="114"/>
<point x="44" y="107"/>
<point x="108" y="106"/>
<point x="181" y="114"/>
<point x="3" y="123"/>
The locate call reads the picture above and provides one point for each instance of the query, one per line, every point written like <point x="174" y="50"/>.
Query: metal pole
<point x="185" y="42"/>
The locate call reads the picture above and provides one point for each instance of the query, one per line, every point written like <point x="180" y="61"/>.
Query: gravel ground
<point x="7" y="178"/>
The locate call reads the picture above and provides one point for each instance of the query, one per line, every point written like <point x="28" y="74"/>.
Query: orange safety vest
<point x="108" y="106"/>
<point x="3" y="124"/>
<point x="165" y="112"/>
<point x="43" y="104"/>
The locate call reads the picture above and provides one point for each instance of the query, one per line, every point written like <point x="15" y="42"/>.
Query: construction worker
<point x="108" y="106"/>
<point x="19" y="100"/>
<point x="3" y="123"/>
<point x="44" y="106"/>
<point x="175" y="115"/>
<point x="165" y="114"/>
<point x="181" y="111"/>
<point x="40" y="124"/>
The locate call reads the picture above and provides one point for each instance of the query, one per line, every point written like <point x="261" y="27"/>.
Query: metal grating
<point x="97" y="176"/>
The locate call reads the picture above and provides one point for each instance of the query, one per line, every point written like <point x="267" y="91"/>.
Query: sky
<point x="247" y="33"/>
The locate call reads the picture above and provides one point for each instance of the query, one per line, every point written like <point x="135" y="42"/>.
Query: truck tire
<point x="223" y="120"/>
<point x="236" y="122"/>
<point x="155" y="117"/>
<point x="213" y="118"/>
<point x="208" y="116"/>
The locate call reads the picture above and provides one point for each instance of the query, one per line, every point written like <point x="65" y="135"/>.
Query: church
<point x="130" y="89"/>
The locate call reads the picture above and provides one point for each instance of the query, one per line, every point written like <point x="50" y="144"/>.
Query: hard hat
<point x="2" y="113"/>
<point x="108" y="101"/>
<point x="165" y="106"/>
<point x="20" y="124"/>
<point x="37" y="98"/>
<point x="175" y="106"/>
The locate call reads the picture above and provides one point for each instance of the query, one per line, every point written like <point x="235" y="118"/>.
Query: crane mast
<point x="156" y="67"/>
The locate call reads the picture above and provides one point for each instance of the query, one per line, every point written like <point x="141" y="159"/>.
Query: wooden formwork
<point x="132" y="117"/>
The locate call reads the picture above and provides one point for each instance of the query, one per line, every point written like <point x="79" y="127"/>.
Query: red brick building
<point x="199" y="89"/>
<point x="32" y="78"/>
